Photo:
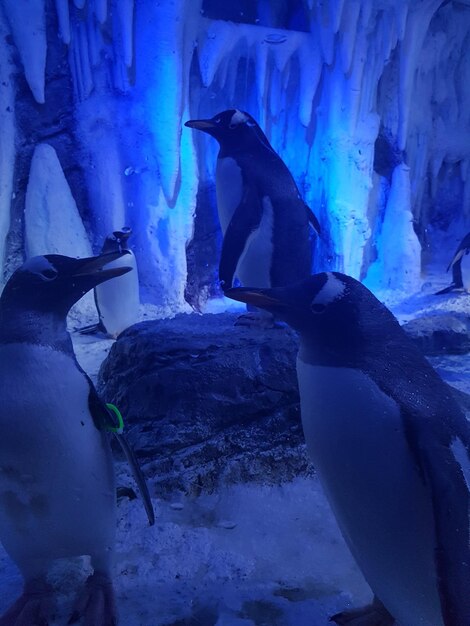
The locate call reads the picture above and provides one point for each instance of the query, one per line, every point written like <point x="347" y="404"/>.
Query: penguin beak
<point x="92" y="267"/>
<point x="206" y="125"/>
<point x="262" y="298"/>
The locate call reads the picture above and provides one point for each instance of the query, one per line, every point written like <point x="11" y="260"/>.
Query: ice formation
<point x="52" y="221"/>
<point x="338" y="86"/>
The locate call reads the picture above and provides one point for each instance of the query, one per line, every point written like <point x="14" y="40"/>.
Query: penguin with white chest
<point x="264" y="221"/>
<point x="117" y="301"/>
<point x="57" y="491"/>
<point x="391" y="448"/>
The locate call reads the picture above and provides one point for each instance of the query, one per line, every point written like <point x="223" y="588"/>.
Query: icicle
<point x="28" y="25"/>
<point x="366" y="13"/>
<point x="349" y="28"/>
<point x="7" y="133"/>
<point x="336" y="9"/>
<point x="125" y="14"/>
<point x="262" y="74"/>
<point x="310" y="62"/>
<point x="401" y="16"/>
<point x="285" y="51"/>
<point x="94" y="38"/>
<point x="62" y="9"/>
<point x="84" y="59"/>
<point x="100" y="9"/>
<point x="325" y="34"/>
<point x="52" y="222"/>
<point x="215" y="41"/>
<point x="417" y="26"/>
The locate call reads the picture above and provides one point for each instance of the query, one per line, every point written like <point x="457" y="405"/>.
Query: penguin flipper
<point x="138" y="476"/>
<point x="313" y="220"/>
<point x="444" y="458"/>
<point x="464" y="248"/>
<point x="103" y="419"/>
<point x="457" y="257"/>
<point x="245" y="221"/>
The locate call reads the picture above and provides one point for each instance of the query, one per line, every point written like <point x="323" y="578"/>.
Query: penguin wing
<point x="245" y="221"/>
<point x="103" y="418"/>
<point x="464" y="248"/>
<point x="312" y="218"/>
<point x="442" y="452"/>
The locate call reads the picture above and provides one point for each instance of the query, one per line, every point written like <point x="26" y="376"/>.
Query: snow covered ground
<point x="249" y="555"/>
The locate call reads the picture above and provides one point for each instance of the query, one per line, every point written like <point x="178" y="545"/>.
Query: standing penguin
<point x="264" y="220"/>
<point x="57" y="492"/>
<point x="117" y="301"/>
<point x="390" y="445"/>
<point x="456" y="265"/>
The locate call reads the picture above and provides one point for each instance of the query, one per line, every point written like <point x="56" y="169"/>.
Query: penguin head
<point x="51" y="284"/>
<point x="234" y="130"/>
<point x="117" y="240"/>
<point x="334" y="314"/>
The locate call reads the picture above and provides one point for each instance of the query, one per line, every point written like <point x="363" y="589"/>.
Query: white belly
<point x="57" y="495"/>
<point x="355" y="438"/>
<point x="254" y="266"/>
<point x="118" y="298"/>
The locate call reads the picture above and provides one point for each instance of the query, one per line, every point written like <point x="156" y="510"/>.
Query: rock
<point x="206" y="402"/>
<point x="444" y="333"/>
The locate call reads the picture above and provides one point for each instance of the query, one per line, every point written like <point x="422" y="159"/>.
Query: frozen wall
<point x="368" y="104"/>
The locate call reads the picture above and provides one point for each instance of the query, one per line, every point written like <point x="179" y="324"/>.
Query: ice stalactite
<point x="398" y="264"/>
<point x="52" y="221"/>
<point x="63" y="17"/>
<point x="27" y="23"/>
<point x="7" y="134"/>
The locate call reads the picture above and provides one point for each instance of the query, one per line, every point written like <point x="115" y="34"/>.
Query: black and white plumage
<point x="57" y="491"/>
<point x="456" y="265"/>
<point x="117" y="301"/>
<point x="264" y="220"/>
<point x="390" y="445"/>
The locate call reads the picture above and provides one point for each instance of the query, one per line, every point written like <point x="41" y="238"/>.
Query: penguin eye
<point x="318" y="308"/>
<point x="49" y="274"/>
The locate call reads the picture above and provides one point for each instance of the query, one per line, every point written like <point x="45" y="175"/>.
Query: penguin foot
<point x="96" y="603"/>
<point x="374" y="614"/>
<point x="256" y="319"/>
<point x="33" y="608"/>
<point x="453" y="287"/>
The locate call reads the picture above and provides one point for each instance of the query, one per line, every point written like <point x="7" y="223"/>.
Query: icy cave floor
<point x="249" y="555"/>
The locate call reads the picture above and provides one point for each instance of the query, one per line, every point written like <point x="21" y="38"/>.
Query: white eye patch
<point x="240" y="118"/>
<point x="332" y="290"/>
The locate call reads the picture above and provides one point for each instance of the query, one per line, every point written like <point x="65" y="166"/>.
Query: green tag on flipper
<point x="120" y="427"/>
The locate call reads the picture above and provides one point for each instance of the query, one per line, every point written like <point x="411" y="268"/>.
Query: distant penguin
<point x="390" y="445"/>
<point x="57" y="491"/>
<point x="117" y="301"/>
<point x="264" y="220"/>
<point x="456" y="265"/>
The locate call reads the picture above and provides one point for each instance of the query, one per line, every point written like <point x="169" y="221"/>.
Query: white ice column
<point x="398" y="264"/>
<point x="52" y="222"/>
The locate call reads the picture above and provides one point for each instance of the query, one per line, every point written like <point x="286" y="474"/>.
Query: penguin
<point x="117" y="301"/>
<point x="264" y="221"/>
<point x="57" y="489"/>
<point x="456" y="265"/>
<point x="390" y="445"/>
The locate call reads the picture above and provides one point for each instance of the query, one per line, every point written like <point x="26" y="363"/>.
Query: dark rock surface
<point x="438" y="334"/>
<point x="207" y="402"/>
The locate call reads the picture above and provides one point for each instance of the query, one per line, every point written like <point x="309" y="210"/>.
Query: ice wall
<point x="368" y="104"/>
